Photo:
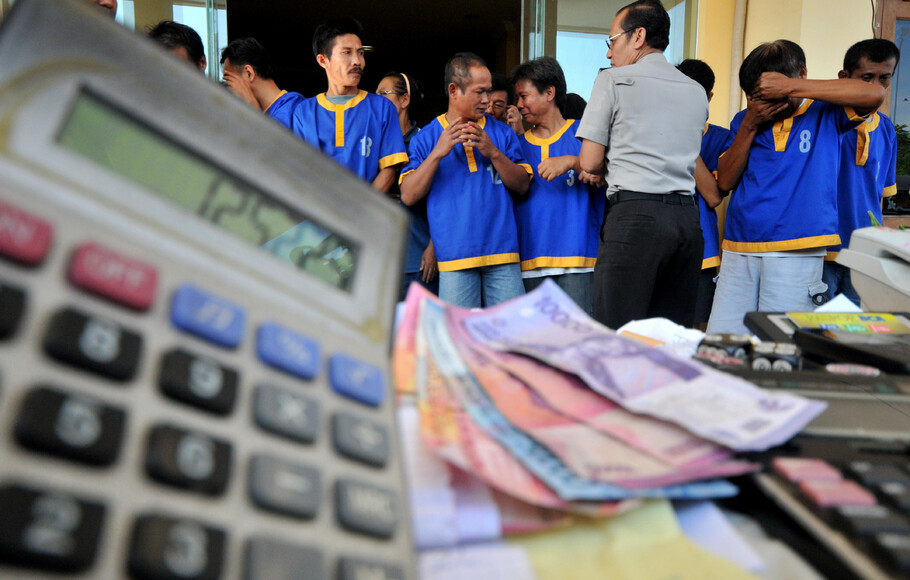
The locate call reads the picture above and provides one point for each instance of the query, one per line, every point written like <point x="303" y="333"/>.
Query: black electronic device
<point x="888" y="352"/>
<point x="195" y="325"/>
<point x="851" y="496"/>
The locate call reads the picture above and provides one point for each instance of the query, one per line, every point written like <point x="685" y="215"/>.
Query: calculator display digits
<point x="193" y="353"/>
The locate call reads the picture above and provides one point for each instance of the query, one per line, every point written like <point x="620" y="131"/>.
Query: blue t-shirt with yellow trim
<point x="713" y="143"/>
<point x="868" y="172"/>
<point x="558" y="221"/>
<point x="787" y="197"/>
<point x="363" y="134"/>
<point x="282" y="108"/>
<point x="470" y="211"/>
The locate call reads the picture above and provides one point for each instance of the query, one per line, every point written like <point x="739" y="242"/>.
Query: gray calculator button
<point x="269" y="559"/>
<point x="360" y="439"/>
<point x="358" y="569"/>
<point x="284" y="487"/>
<point x="365" y="508"/>
<point x="166" y="548"/>
<point x="286" y="413"/>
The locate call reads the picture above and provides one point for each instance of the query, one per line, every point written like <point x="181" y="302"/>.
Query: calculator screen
<point x="122" y="144"/>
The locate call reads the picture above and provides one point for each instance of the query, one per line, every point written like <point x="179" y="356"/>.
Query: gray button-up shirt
<point x="650" y="117"/>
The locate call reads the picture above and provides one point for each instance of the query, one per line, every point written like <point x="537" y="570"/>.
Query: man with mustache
<point x="359" y="130"/>
<point x="469" y="166"/>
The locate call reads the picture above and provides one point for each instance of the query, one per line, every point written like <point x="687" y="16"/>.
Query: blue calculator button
<point x="208" y="316"/>
<point x="356" y="379"/>
<point x="288" y="350"/>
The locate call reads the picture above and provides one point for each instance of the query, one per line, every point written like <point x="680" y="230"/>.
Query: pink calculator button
<point x="798" y="469"/>
<point x="112" y="275"/>
<point x="837" y="493"/>
<point x="24" y="238"/>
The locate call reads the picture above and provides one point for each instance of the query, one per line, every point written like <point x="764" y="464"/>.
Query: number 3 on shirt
<point x="570" y="181"/>
<point x="805" y="141"/>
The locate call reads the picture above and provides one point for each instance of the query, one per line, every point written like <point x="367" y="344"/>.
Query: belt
<point x="667" y="198"/>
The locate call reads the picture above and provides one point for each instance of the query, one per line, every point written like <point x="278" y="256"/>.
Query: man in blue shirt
<point x="783" y="209"/>
<point x="868" y="159"/>
<point x="248" y="74"/>
<point x="359" y="130"/>
<point x="468" y="165"/>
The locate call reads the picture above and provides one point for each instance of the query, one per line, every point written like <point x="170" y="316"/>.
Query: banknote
<point x="569" y="395"/>
<point x="547" y="325"/>
<point x="588" y="453"/>
<point x="404" y="364"/>
<point x="537" y="458"/>
<point x="452" y="436"/>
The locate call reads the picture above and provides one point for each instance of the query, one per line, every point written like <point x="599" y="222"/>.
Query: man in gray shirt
<point x="641" y="132"/>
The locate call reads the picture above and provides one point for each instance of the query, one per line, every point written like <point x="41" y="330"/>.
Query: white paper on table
<point x="476" y="513"/>
<point x="681" y="340"/>
<point x="839" y="303"/>
<point x="432" y="498"/>
<point x="705" y="524"/>
<point x="492" y="560"/>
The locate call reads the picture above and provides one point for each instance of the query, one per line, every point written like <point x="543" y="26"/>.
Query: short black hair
<point x="653" y="17"/>
<point x="326" y="33"/>
<point x="783" y="56"/>
<point x="458" y="69"/>
<point x="501" y="83"/>
<point x="175" y="35"/>
<point x="248" y="51"/>
<point x="698" y="71"/>
<point x="575" y="106"/>
<point x="873" y="50"/>
<point x="543" y="72"/>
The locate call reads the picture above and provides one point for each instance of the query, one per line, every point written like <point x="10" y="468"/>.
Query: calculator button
<point x="357" y="568"/>
<point x="12" y="308"/>
<point x="199" y="381"/>
<point x="208" y="316"/>
<point x="269" y="559"/>
<point x="163" y="548"/>
<point x="356" y="379"/>
<point x="70" y="426"/>
<point x="836" y="493"/>
<point x="893" y="549"/>
<point x="868" y="520"/>
<point x="365" y="508"/>
<point x="93" y="343"/>
<point x="112" y="275"/>
<point x="288" y="350"/>
<point x="360" y="439"/>
<point x="188" y="459"/>
<point x="24" y="238"/>
<point x="287" y="488"/>
<point x="797" y="469"/>
<point x="872" y="474"/>
<point x="896" y="494"/>
<point x="287" y="413"/>
<point x="48" y="530"/>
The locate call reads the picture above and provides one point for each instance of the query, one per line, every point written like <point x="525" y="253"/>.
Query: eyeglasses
<point x="610" y="39"/>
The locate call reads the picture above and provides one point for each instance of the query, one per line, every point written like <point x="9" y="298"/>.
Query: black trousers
<point x="649" y="259"/>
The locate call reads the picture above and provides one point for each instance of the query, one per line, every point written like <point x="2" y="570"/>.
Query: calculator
<point x="195" y="322"/>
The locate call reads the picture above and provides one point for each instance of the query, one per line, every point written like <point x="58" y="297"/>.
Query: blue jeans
<point x="579" y="287"/>
<point x="482" y="286"/>
<point x="837" y="277"/>
<point x="763" y="284"/>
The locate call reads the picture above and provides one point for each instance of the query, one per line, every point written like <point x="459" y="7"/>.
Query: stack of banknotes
<point x="547" y="406"/>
